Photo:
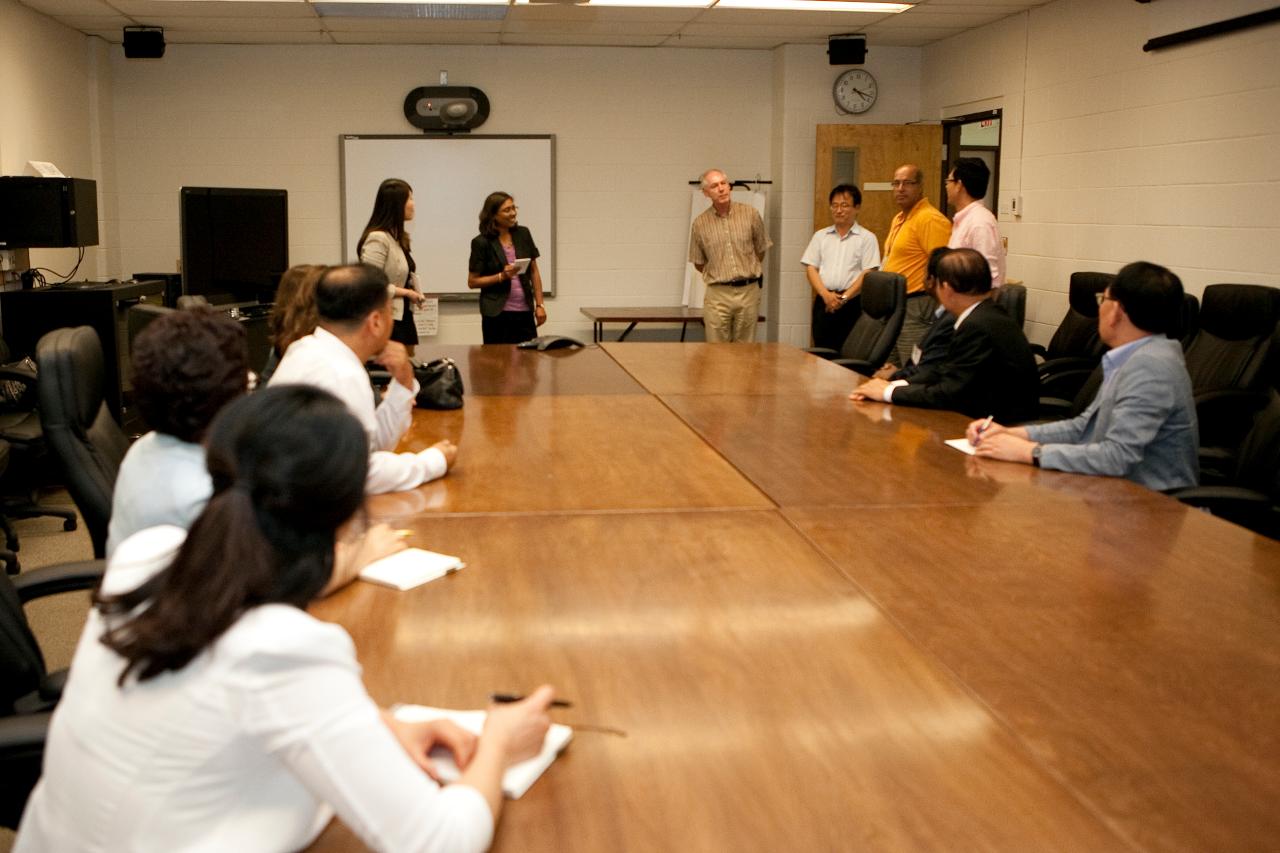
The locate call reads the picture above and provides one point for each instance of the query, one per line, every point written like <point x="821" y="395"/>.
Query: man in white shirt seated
<point x="354" y="306"/>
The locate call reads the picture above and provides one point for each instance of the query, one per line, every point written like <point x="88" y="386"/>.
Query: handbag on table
<point x="441" y="384"/>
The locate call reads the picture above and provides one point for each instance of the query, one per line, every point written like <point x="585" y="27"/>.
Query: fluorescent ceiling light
<point x="687" y="4"/>
<point x="810" y="6"/>
<point x="418" y="2"/>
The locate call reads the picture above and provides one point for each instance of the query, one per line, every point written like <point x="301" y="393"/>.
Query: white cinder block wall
<point x="1121" y="155"/>
<point x="1117" y="154"/>
<point x="46" y="107"/>
<point x="632" y="128"/>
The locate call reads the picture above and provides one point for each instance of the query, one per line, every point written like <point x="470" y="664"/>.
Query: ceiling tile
<point x="418" y="26"/>
<point x="173" y="9"/>
<point x="413" y="38"/>
<point x="57" y="8"/>
<point x="583" y="41"/>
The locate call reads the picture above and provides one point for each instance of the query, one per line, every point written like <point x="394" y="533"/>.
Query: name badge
<point x="916" y="352"/>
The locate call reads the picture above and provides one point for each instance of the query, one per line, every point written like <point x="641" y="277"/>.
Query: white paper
<point x="409" y="568"/>
<point x="522" y="264"/>
<point x="961" y="444"/>
<point x="519" y="777"/>
<point x="45" y="170"/>
<point x="426" y="317"/>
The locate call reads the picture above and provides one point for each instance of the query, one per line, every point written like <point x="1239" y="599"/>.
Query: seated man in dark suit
<point x="988" y="368"/>
<point x="933" y="346"/>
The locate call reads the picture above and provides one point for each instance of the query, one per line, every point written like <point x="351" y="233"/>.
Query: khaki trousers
<point x="729" y="314"/>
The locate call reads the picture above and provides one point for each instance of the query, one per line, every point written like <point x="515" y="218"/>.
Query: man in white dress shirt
<point x="354" y="305"/>
<point x="973" y="226"/>
<point x="835" y="262"/>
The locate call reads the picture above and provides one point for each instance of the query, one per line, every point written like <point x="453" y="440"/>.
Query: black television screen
<point x="235" y="243"/>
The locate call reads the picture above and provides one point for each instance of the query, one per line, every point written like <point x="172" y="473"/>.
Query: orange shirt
<point x="911" y="238"/>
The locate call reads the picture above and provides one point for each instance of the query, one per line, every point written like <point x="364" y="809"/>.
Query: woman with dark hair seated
<point x="186" y="366"/>
<point x="207" y="710"/>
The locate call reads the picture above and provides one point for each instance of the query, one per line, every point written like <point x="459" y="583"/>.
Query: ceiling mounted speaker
<point x="143" y="42"/>
<point x="850" y="49"/>
<point x="446" y="109"/>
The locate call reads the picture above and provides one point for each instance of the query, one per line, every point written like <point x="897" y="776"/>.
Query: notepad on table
<point x="410" y="567"/>
<point x="519" y="777"/>
<point x="961" y="444"/>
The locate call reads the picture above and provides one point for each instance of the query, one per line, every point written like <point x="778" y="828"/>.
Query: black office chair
<point x="1232" y="359"/>
<point x="884" y="305"/>
<point x="1251" y="498"/>
<point x="8" y="554"/>
<point x="78" y="425"/>
<point x="21" y="427"/>
<point x="1013" y="299"/>
<point x="1075" y="348"/>
<point x="28" y="692"/>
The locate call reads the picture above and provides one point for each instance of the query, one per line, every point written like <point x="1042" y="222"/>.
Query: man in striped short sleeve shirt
<point x="727" y="244"/>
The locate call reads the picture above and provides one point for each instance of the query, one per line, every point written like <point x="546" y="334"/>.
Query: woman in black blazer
<point x="508" y="314"/>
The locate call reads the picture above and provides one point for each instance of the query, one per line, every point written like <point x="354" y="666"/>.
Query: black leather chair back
<point x="78" y="426"/>
<point x="1189" y="322"/>
<point x="1236" y="340"/>
<point x="22" y="666"/>
<point x="1258" y="465"/>
<point x="884" y="305"/>
<point x="1013" y="299"/>
<point x="1077" y="335"/>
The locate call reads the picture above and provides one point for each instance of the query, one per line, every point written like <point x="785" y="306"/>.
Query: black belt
<point x="740" y="282"/>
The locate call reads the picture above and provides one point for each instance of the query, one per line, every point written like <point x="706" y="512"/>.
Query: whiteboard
<point x="451" y="176"/>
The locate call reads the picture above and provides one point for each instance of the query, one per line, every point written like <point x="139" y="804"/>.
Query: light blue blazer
<point x="1141" y="425"/>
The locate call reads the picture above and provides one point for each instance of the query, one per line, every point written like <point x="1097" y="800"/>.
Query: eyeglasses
<point x="1103" y="297"/>
<point x="841" y="205"/>
<point x="896" y="184"/>
<point x="953" y="180"/>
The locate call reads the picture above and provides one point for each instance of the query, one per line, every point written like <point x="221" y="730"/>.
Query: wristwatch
<point x="1035" y="455"/>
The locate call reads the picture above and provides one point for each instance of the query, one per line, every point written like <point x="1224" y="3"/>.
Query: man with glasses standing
<point x="1142" y="423"/>
<point x="973" y="226"/>
<point x="917" y="230"/>
<point x="835" y="263"/>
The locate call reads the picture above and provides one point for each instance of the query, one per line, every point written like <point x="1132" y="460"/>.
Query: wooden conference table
<point x="819" y="627"/>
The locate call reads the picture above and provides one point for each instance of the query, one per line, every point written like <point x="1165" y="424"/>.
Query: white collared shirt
<point x="322" y="360"/>
<point x="839" y="260"/>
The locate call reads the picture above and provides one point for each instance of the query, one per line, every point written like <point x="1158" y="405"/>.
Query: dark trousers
<point x="509" y="327"/>
<point x="830" y="330"/>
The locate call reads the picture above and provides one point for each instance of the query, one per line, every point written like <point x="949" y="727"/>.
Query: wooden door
<point x="868" y="153"/>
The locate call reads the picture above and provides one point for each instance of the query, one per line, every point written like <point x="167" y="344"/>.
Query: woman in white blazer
<point x="385" y="245"/>
<point x="207" y="710"/>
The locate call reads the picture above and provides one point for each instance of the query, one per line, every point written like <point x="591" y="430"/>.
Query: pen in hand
<point x="982" y="427"/>
<point x="508" y="698"/>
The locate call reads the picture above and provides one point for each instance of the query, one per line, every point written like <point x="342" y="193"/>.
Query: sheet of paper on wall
<point x="426" y="317"/>
<point x="961" y="444"/>
<point x="410" y="567"/>
<point x="519" y="777"/>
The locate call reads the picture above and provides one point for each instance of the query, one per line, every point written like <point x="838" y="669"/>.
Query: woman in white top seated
<point x="206" y="710"/>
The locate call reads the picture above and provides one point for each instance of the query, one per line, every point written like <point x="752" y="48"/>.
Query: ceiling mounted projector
<point x="446" y="109"/>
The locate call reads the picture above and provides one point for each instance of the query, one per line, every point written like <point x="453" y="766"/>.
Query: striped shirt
<point x="728" y="247"/>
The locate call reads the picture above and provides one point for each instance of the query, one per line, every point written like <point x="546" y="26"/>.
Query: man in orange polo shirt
<point x="917" y="230"/>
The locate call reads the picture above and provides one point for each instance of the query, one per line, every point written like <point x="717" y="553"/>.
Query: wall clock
<point x="854" y="91"/>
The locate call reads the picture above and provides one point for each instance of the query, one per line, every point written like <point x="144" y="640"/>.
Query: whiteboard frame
<point x="546" y="241"/>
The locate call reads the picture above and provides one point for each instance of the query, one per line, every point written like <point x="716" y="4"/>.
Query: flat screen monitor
<point x="38" y="213"/>
<point x="235" y="243"/>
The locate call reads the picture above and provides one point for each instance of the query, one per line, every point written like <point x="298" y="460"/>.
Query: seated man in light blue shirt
<point x="1142" y="424"/>
<point x="187" y="365"/>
